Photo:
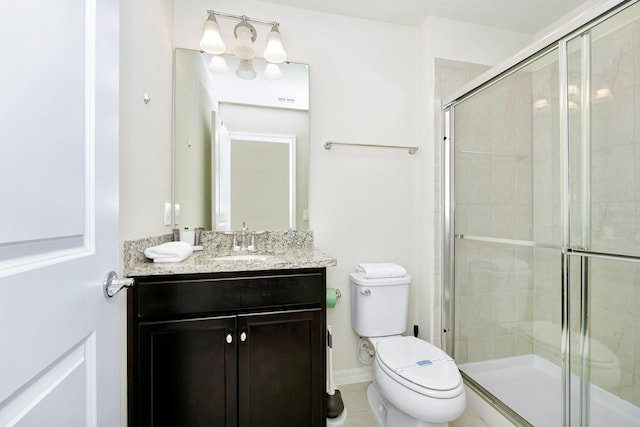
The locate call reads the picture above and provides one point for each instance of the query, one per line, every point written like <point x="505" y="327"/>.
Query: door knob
<point x="112" y="285"/>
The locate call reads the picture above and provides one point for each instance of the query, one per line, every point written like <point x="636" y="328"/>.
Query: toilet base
<point x="387" y="415"/>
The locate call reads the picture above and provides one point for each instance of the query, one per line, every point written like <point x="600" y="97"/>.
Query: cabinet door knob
<point x="229" y="338"/>
<point x="243" y="336"/>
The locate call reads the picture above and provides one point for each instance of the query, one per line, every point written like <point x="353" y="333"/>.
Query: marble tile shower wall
<point x="494" y="197"/>
<point x="507" y="186"/>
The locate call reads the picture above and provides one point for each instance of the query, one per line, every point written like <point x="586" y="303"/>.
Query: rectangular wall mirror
<point x="241" y="143"/>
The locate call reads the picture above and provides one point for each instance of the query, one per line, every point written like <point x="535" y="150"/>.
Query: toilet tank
<point x="379" y="307"/>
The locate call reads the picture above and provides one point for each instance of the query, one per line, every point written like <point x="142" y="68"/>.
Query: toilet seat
<point x="419" y="366"/>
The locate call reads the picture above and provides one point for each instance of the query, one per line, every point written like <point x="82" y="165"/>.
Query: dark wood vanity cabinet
<point x="228" y="349"/>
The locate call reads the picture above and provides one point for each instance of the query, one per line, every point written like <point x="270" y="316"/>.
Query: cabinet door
<point x="188" y="373"/>
<point x="281" y="369"/>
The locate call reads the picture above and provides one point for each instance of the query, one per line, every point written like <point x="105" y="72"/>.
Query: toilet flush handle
<point x="366" y="292"/>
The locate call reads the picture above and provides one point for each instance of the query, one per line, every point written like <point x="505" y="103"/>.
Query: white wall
<point x="146" y="58"/>
<point x="370" y="82"/>
<point x="146" y="63"/>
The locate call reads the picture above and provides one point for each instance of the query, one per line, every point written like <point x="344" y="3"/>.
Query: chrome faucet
<point x="244" y="240"/>
<point x="243" y="236"/>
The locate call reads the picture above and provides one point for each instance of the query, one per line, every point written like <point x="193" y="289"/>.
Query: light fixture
<point x="274" y="51"/>
<point x="272" y="71"/>
<point x="218" y="64"/>
<point x="573" y="105"/>
<point x="245" y="35"/>
<point x="211" y="40"/>
<point x="541" y="103"/>
<point x="245" y="70"/>
<point x="573" y="90"/>
<point x="603" y="94"/>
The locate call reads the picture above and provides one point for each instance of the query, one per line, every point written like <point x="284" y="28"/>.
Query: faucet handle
<point x="252" y="242"/>
<point x="234" y="244"/>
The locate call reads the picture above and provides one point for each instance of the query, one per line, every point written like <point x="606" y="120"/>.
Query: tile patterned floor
<point x="359" y="414"/>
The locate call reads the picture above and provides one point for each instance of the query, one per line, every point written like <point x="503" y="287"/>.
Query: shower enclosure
<point x="542" y="223"/>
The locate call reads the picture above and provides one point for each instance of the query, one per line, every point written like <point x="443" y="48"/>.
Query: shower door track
<point x="495" y="403"/>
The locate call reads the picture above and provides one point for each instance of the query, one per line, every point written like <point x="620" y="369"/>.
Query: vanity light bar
<point x="243" y="18"/>
<point x="245" y="34"/>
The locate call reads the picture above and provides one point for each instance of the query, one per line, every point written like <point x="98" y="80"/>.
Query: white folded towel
<point x="169" y="252"/>
<point x="380" y="270"/>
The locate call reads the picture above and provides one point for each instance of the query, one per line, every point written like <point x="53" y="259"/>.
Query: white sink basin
<point x="243" y="258"/>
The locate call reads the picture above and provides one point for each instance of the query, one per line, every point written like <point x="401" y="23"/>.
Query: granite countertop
<point x="284" y="250"/>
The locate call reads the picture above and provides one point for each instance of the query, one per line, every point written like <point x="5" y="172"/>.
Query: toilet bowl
<point x="415" y="384"/>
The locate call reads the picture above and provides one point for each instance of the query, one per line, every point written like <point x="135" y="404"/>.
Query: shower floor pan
<point x="530" y="385"/>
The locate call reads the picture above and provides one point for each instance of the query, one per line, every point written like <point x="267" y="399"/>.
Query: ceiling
<point x="524" y="16"/>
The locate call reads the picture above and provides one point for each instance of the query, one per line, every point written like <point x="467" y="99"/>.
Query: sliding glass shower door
<point x="507" y="247"/>
<point x="603" y="107"/>
<point x="544" y="231"/>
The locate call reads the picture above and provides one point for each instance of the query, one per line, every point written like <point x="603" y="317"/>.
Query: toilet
<point x="415" y="384"/>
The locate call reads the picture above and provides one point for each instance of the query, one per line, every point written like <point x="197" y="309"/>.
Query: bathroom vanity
<point x="229" y="343"/>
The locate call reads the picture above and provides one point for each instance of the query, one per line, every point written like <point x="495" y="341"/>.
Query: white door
<point x="58" y="213"/>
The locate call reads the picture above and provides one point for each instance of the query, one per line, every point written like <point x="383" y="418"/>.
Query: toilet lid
<point x="419" y="362"/>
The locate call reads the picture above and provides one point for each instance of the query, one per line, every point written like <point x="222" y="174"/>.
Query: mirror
<point x="241" y="147"/>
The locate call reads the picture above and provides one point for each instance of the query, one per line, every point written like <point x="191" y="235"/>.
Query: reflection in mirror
<point x="262" y="166"/>
<point x="241" y="147"/>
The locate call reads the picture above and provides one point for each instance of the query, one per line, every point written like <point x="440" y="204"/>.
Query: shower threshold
<point x="530" y="385"/>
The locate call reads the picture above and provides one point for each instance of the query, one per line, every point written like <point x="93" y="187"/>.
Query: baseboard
<point x="351" y="376"/>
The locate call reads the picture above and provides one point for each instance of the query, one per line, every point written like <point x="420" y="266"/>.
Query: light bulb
<point x="272" y="72"/>
<point x="211" y="40"/>
<point x="218" y="64"/>
<point x="274" y="52"/>
<point x="245" y="70"/>
<point x="602" y="95"/>
<point x="573" y="90"/>
<point x="541" y="103"/>
<point x="244" y="35"/>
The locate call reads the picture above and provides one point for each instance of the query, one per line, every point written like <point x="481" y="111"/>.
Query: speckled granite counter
<point x="291" y="249"/>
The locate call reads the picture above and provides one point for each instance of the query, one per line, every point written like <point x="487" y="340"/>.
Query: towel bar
<point x="329" y="144"/>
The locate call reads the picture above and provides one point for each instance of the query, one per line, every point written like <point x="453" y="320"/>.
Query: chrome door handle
<point x="112" y="285"/>
<point x="243" y="336"/>
<point x="229" y="338"/>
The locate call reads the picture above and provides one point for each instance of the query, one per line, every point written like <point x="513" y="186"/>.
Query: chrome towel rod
<point x="329" y="144"/>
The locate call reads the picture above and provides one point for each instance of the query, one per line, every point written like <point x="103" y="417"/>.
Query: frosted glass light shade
<point x="211" y="40"/>
<point x="573" y="90"/>
<point x="274" y="52"/>
<point x="245" y="70"/>
<point x="218" y="64"/>
<point x="272" y="72"/>
<point x="602" y="95"/>
<point x="244" y="48"/>
<point x="541" y="103"/>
